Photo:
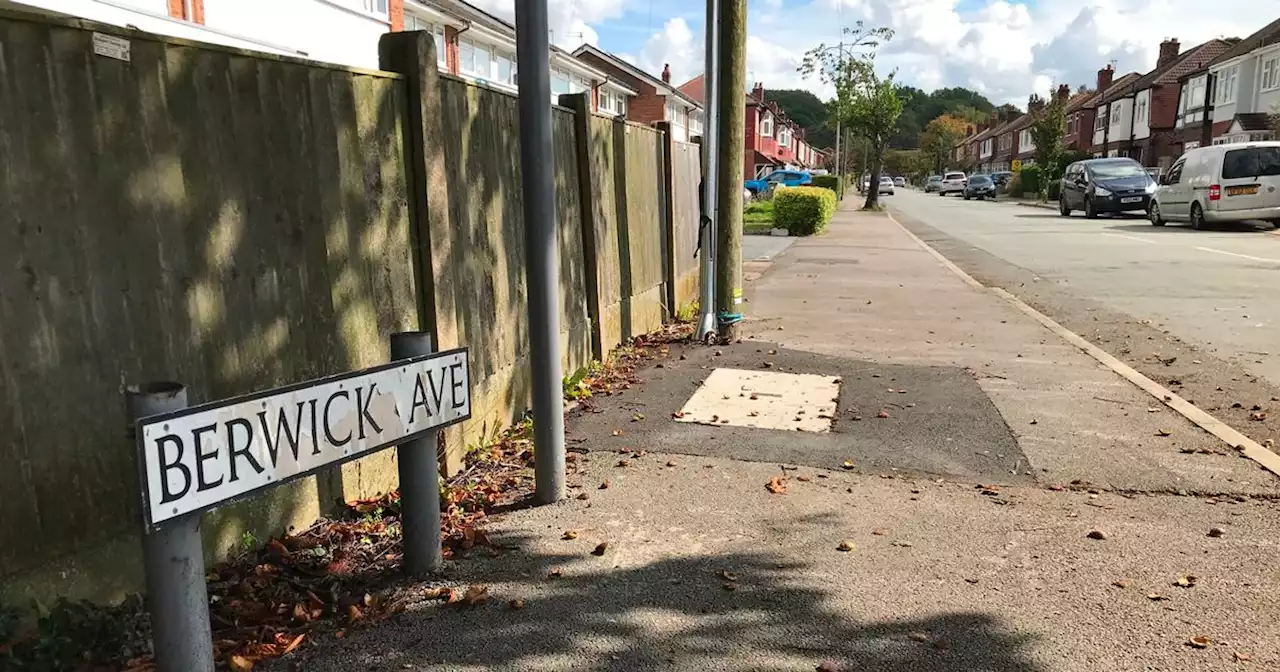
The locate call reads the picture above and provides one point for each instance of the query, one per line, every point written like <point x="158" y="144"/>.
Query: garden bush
<point x="803" y="211"/>
<point x="831" y="182"/>
<point x="1029" y="179"/>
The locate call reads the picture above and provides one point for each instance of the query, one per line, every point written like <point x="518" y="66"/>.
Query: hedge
<point x="1030" y="180"/>
<point x="803" y="211"/>
<point x="831" y="182"/>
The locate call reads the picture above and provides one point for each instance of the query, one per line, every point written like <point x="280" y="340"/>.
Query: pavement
<point x="987" y="498"/>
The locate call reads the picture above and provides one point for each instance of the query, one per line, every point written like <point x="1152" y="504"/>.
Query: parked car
<point x="1001" y="177"/>
<point x="1221" y="183"/>
<point x="980" y="187"/>
<point x="886" y="185"/>
<point x="900" y="181"/>
<point x="952" y="183"/>
<point x="1105" y="185"/>
<point x="789" y="178"/>
<point x="931" y="184"/>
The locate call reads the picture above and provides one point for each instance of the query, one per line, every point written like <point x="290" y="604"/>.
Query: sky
<point x="1002" y="49"/>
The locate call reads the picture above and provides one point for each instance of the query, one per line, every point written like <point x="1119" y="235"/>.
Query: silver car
<point x="886" y="185"/>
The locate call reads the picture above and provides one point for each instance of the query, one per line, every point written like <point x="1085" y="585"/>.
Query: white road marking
<point x="1228" y="434"/>
<point x="1121" y="235"/>
<point x="1242" y="256"/>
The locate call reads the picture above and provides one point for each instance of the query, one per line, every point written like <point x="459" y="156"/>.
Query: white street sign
<point x="207" y="455"/>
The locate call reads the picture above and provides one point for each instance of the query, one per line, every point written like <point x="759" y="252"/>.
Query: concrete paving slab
<point x="797" y="402"/>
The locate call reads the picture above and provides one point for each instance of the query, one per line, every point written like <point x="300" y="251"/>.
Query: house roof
<point x="1192" y="61"/>
<point x="662" y="87"/>
<point x="1119" y="89"/>
<point x="1020" y="123"/>
<point x="1080" y="100"/>
<point x="1254" y="121"/>
<point x="1269" y="34"/>
<point x="695" y="88"/>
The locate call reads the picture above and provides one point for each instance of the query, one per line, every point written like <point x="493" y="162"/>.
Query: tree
<point x="1048" y="126"/>
<point x="939" y="139"/>
<point x="872" y="108"/>
<point x="809" y="111"/>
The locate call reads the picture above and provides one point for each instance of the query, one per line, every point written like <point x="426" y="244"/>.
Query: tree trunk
<point x="731" y="82"/>
<point x="873" y="184"/>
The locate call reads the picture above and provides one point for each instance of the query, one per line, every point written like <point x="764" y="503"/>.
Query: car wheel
<point x="1197" y="217"/>
<point x="1090" y="212"/>
<point x="942" y="193"/>
<point x="966" y="197"/>
<point x="1063" y="208"/>
<point x="1154" y="215"/>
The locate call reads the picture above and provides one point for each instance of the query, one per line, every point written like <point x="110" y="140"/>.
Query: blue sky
<point x="1004" y="49"/>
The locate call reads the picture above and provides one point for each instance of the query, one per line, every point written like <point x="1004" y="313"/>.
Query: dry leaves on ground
<point x="777" y="485"/>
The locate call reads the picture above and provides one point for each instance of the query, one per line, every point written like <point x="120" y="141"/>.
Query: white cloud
<point x="569" y="20"/>
<point x="674" y="45"/>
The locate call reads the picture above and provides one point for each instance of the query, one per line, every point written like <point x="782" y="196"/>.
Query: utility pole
<point x="542" y="265"/>
<point x="710" y="166"/>
<point x="731" y="82"/>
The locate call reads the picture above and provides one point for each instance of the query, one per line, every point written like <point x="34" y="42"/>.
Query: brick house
<point x="1079" y="117"/>
<point x="1112" y="112"/>
<point x="1243" y="84"/>
<point x="1153" y="138"/>
<point x="1002" y="139"/>
<point x="655" y="98"/>
<point x="981" y="148"/>
<point x="772" y="139"/>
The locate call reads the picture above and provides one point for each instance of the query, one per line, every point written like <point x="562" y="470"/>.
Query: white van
<point x="1221" y="183"/>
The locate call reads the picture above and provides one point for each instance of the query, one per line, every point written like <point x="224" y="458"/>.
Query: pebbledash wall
<point x="237" y="221"/>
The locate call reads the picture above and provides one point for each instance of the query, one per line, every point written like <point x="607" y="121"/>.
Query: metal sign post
<point x="707" y="324"/>
<point x="193" y="459"/>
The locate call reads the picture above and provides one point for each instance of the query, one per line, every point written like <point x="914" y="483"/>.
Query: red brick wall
<point x="451" y="49"/>
<point x="647" y="106"/>
<point x="1163" y="106"/>
<point x="178" y="10"/>
<point x="396" y="10"/>
<point x="749" y="155"/>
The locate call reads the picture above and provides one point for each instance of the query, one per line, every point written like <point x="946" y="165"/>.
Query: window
<point x="1115" y="118"/>
<point x="1270" y="74"/>
<point x="1195" y="99"/>
<point x="784" y="137"/>
<point x="1250" y="163"/>
<point x="559" y="82"/>
<point x="766" y="125"/>
<point x="1225" y="91"/>
<point x="578" y="85"/>
<point x="695" y="122"/>
<point x="673" y="114"/>
<point x="475" y="59"/>
<point x="1175" y="173"/>
<point x="412" y="22"/>
<point x="378" y="7"/>
<point x="1141" y="113"/>
<point x="505" y="68"/>
<point x="612" y="103"/>
<point x="1025" y="142"/>
<point x="1100" y="119"/>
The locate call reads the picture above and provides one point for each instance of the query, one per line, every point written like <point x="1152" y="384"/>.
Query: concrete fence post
<point x="666" y="183"/>
<point x="173" y="557"/>
<point x="589" y="188"/>
<point x="413" y="54"/>
<point x="419" y="469"/>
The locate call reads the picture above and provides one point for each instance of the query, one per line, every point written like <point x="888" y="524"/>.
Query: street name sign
<point x="205" y="456"/>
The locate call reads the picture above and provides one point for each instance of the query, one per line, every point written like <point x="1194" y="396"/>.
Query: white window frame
<point x="766" y="125"/>
<point x="1225" y="88"/>
<point x="498" y="57"/>
<point x="563" y="75"/>
<point x="1115" y="118"/>
<point x="377" y="7"/>
<point x="1100" y="120"/>
<point x="479" y="70"/>
<point x="1141" y="113"/>
<point x="1025" y="141"/>
<point x="1269" y="72"/>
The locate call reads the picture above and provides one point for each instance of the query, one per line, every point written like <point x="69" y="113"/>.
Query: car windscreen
<point x="1251" y="162"/>
<point x="1110" y="170"/>
<point x="979" y="180"/>
<point x="954" y="176"/>
<point x="886" y="179"/>
<point x="935" y="178"/>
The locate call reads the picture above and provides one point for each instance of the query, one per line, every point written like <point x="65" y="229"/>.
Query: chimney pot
<point x="1104" y="78"/>
<point x="1169" y="50"/>
<point x="666" y="73"/>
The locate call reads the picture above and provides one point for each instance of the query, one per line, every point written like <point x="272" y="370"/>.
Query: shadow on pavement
<point x="671" y="614"/>
<point x="1186" y="228"/>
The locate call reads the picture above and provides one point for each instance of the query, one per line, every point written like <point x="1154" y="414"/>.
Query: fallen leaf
<point x="1057" y="488"/>
<point x="1199" y="642"/>
<point x="1163" y="432"/>
<point x="1156" y="597"/>
<point x="617" y="432"/>
<point x="846" y="546"/>
<point x="516" y="603"/>
<point x="728" y="575"/>
<point x="1120" y="583"/>
<point x="476" y="595"/>
<point x="879" y="531"/>
<point x="1257" y="417"/>
<point x="777" y="485"/>
<point x="1096" y="534"/>
<point x="297" y="641"/>
<point x="1240" y="657"/>
<point x="670" y="463"/>
<point x="1153" y="410"/>
<point x="1185" y="580"/>
<point x="637" y="417"/>
<point x="240" y="663"/>
<point x="1216" y="531"/>
<point x="340" y="634"/>
<point x="583" y="496"/>
<point x="902" y="544"/>
<point x="600" y="548"/>
<point x="804" y="479"/>
<point x="678" y="414"/>
<point x="882" y="415"/>
<point x="1035" y="422"/>
<point x="605" y="484"/>
<point x="624" y="463"/>
<point x="730" y="586"/>
<point x="569" y="535"/>
<point x="918" y="636"/>
<point x="848" y="464"/>
<point x="353" y="613"/>
<point x="827" y="666"/>
<point x="556" y="573"/>
<point x="970" y="580"/>
<point x="768" y="365"/>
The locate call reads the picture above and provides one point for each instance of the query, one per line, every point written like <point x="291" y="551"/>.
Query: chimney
<point x="1034" y="103"/>
<point x="666" y="73"/>
<point x="1104" y="78"/>
<point x="1064" y="92"/>
<point x="1169" y="50"/>
<point x="757" y="92"/>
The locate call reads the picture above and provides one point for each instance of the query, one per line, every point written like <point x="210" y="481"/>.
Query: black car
<point x="1001" y="177"/>
<point x="1105" y="185"/>
<point x="980" y="187"/>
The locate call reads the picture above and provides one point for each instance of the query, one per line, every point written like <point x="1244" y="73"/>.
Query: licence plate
<point x="1245" y="190"/>
<point x="1131" y="199"/>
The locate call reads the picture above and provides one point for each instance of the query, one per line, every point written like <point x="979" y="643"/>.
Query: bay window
<point x="1225" y="91"/>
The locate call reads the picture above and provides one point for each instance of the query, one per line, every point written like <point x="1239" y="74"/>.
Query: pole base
<point x="707" y="327"/>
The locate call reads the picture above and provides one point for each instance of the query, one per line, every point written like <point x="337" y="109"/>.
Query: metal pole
<point x="419" y="466"/>
<point x="173" y="558"/>
<point x="542" y="267"/>
<point x="711" y="151"/>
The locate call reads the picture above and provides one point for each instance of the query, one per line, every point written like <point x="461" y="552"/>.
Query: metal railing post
<point x="419" y="467"/>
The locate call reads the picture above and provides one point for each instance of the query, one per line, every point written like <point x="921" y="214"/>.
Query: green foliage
<point x="1015" y="185"/>
<point x="830" y="182"/>
<point x="687" y="313"/>
<point x="873" y="110"/>
<point x="919" y="108"/>
<point x="1028" y="181"/>
<point x="758" y="212"/>
<point x="1055" y="190"/>
<point x="578" y="385"/>
<point x="1048" y="127"/>
<point x="803" y="211"/>
<point x="809" y="111"/>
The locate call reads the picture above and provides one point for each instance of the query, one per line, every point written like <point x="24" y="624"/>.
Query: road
<point x="1147" y="294"/>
